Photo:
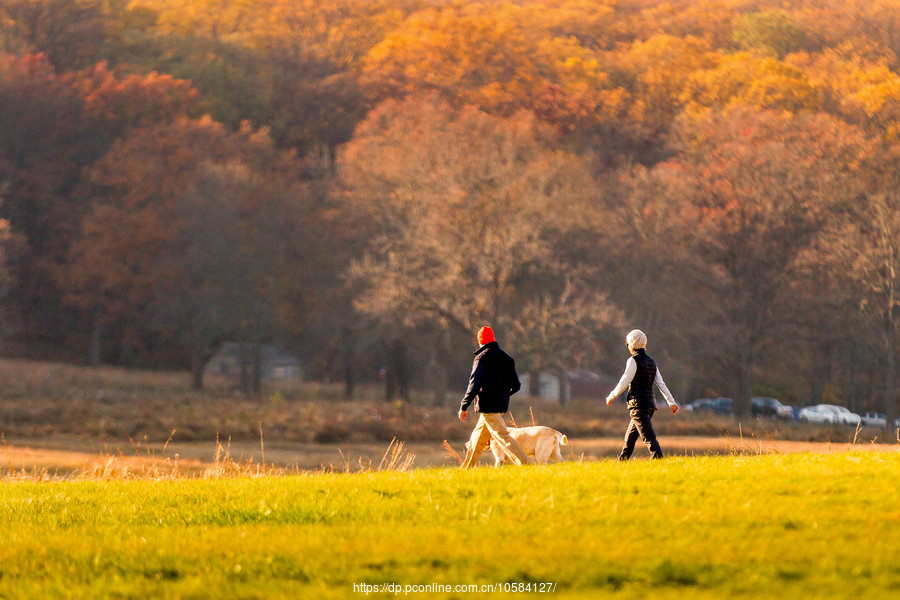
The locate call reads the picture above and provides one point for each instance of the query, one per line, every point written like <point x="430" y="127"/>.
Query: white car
<point x="817" y="414"/>
<point x="844" y="415"/>
<point x="828" y="414"/>
<point x="874" y="419"/>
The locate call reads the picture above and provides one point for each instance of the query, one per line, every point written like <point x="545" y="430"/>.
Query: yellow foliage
<point x="865" y="93"/>
<point x="491" y="56"/>
<point x="658" y="69"/>
<point x="339" y="31"/>
<point x="743" y="78"/>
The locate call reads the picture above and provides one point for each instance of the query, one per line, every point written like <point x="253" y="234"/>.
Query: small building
<point x="543" y="385"/>
<point x="581" y="384"/>
<point x="276" y="363"/>
<point x="588" y="384"/>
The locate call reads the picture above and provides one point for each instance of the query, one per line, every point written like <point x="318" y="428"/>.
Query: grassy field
<point x="770" y="526"/>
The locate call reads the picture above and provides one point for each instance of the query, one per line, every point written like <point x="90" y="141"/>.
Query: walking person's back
<point x="492" y="382"/>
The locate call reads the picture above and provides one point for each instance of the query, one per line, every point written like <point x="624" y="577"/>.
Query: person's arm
<point x="474" y="385"/>
<point x="627" y="376"/>
<point x="670" y="399"/>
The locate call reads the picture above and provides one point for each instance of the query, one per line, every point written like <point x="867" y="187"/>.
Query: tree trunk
<point x="819" y="372"/>
<point x="437" y="375"/>
<point x="257" y="368"/>
<point x="390" y="378"/>
<point x="534" y="384"/>
<point x="244" y="362"/>
<point x="744" y="388"/>
<point x="94" y="343"/>
<point x="890" y="381"/>
<point x="397" y="384"/>
<point x="403" y="374"/>
<point x="349" y="375"/>
<point x="197" y="366"/>
<point x="564" y="388"/>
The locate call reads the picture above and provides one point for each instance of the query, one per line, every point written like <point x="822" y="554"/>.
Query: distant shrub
<point x="331" y="433"/>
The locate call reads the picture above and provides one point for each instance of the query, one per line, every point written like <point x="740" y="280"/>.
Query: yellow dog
<point x="539" y="442"/>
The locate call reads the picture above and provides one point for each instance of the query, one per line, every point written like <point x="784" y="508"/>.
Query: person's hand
<point x="462" y="415"/>
<point x="609" y="401"/>
<point x="674" y="409"/>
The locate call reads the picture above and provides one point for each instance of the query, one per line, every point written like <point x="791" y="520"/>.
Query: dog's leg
<point x="558" y="441"/>
<point x="556" y="455"/>
<point x="499" y="455"/>
<point x="541" y="452"/>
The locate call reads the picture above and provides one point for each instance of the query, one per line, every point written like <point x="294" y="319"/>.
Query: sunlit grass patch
<point x="780" y="526"/>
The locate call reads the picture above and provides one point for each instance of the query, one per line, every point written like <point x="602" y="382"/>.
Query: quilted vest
<point x="640" y="391"/>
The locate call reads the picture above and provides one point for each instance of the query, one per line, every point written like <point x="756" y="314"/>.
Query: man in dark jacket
<point x="640" y="375"/>
<point x="493" y="381"/>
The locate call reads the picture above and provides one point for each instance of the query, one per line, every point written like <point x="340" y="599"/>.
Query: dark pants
<point x="640" y="427"/>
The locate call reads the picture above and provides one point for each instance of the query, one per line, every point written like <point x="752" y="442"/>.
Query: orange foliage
<point x="133" y="100"/>
<point x="485" y="55"/>
<point x="117" y="260"/>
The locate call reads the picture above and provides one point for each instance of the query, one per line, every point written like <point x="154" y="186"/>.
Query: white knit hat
<point x="636" y="339"/>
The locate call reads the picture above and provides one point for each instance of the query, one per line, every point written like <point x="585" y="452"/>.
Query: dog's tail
<point x="563" y="440"/>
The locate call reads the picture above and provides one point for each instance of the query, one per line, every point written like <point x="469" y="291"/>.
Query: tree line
<point x="368" y="183"/>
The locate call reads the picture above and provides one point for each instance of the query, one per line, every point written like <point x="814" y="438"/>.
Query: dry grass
<point x="102" y="410"/>
<point x="395" y="458"/>
<point x="117" y="467"/>
<point x="38" y="400"/>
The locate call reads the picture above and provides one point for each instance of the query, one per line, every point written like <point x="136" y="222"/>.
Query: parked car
<point x="699" y="405"/>
<point x="716" y="406"/>
<point x="817" y="414"/>
<point x="877" y="419"/>
<point x="770" y="407"/>
<point x="844" y="415"/>
<point x="829" y="414"/>
<point x="874" y="419"/>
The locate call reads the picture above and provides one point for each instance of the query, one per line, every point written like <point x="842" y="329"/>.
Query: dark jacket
<point x="493" y="380"/>
<point x="640" y="391"/>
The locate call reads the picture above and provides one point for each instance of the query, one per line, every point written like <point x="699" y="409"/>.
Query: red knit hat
<point x="485" y="336"/>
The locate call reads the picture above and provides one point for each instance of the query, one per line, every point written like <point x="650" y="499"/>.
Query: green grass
<point x="777" y="526"/>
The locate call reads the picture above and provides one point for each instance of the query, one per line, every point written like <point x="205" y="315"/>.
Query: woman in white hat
<point x="640" y="375"/>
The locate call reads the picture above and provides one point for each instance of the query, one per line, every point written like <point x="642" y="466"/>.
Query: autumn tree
<point x="120" y="262"/>
<point x="287" y="65"/>
<point x="870" y="29"/>
<point x="864" y="93"/>
<point x="654" y="73"/>
<point x="467" y="213"/>
<point x="71" y="33"/>
<point x="490" y="56"/>
<point x="44" y="144"/>
<point x="51" y="127"/>
<point x="759" y="188"/>
<point x="745" y="79"/>
<point x="337" y="32"/>
<point x="645" y="259"/>
<point x="711" y="20"/>
<point x="237" y="236"/>
<point x="862" y="254"/>
<point x="10" y="243"/>
<point x="772" y="32"/>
